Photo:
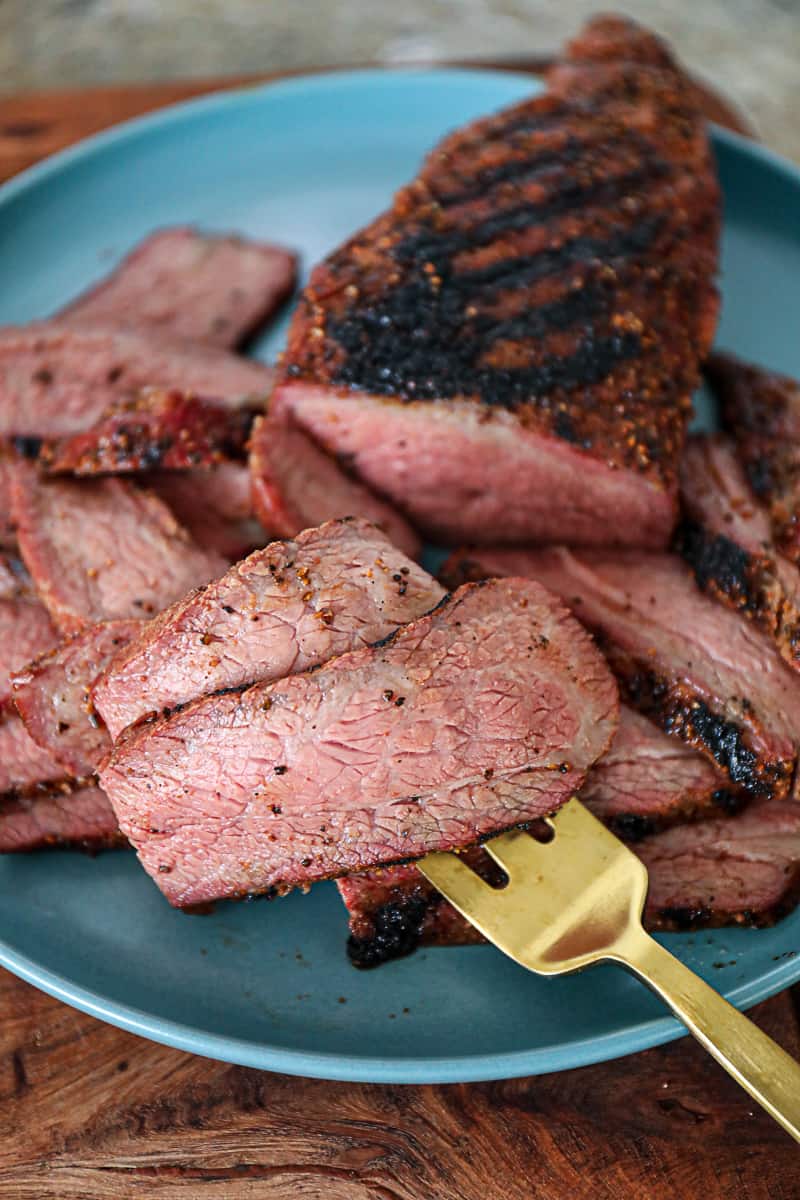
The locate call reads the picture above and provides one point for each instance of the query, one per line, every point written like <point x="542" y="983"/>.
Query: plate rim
<point x="336" y="1065"/>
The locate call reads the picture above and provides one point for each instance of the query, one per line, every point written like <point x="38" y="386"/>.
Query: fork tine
<point x="462" y="886"/>
<point x="517" y="852"/>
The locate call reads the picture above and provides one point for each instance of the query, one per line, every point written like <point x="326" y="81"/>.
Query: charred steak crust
<point x="553" y="263"/>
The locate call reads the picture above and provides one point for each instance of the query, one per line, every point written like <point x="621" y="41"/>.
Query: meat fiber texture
<point x="24" y="766"/>
<point x="182" y="284"/>
<point x="102" y="549"/>
<point x="57" y="380"/>
<point x="283" y="610"/>
<point x="296" y="485"/>
<point x="213" y="504"/>
<point x="699" y="670"/>
<point x="726" y="537"/>
<point x="509" y="353"/>
<point x="52" y="695"/>
<point x="82" y="817"/>
<point x="483" y="714"/>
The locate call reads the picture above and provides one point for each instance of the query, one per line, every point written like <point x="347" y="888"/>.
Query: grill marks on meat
<point x="284" y="609"/>
<point x="726" y="538"/>
<point x="157" y="429"/>
<point x="192" y="286"/>
<point x="533" y="306"/>
<point x="61" y="818"/>
<point x="694" y="667"/>
<point x="57" y="380"/>
<point x="427" y="741"/>
<point x="101" y="549"/>
<point x="296" y="485"/>
<point x="52" y="695"/>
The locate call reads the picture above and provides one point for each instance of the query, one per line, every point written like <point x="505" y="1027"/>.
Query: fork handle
<point x="757" y="1063"/>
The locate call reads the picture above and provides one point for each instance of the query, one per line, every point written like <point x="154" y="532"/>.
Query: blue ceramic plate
<point x="268" y="985"/>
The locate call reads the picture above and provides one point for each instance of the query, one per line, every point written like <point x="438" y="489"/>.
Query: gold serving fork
<point x="577" y="900"/>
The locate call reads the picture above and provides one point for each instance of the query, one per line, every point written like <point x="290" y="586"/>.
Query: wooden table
<point x="89" y="1111"/>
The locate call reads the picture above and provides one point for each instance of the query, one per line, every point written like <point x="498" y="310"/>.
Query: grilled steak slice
<point x="649" y="780"/>
<point x="52" y="695"/>
<point x="200" y="287"/>
<point x="726" y="538"/>
<point x="297" y="485"/>
<point x="697" y="669"/>
<point x="102" y="549"/>
<point x="742" y="870"/>
<point x="24" y="766"/>
<point x="483" y="714"/>
<point x="761" y="409"/>
<point x="284" y="609"/>
<point x="214" y="506"/>
<point x="167" y="429"/>
<point x="508" y="354"/>
<point x="56" y="380"/>
<point x="82" y="817"/>
<point x="25" y="631"/>
<point x="8" y="536"/>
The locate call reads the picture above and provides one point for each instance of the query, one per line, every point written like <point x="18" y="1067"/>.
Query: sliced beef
<point x="742" y="870"/>
<point x="508" y="354"/>
<point x="52" y="695"/>
<point x="157" y="429"/>
<point x="184" y="284"/>
<point x="102" y="549"/>
<point x="726" y="538"/>
<point x="82" y="818"/>
<point x="284" y="609"/>
<point x="24" y="766"/>
<point x="56" y="380"/>
<point x="25" y="631"/>
<point x="8" y="536"/>
<point x="483" y="714"/>
<point x="297" y="485"/>
<point x="761" y="410"/>
<point x="699" y="670"/>
<point x="648" y="780"/>
<point x="214" y="505"/>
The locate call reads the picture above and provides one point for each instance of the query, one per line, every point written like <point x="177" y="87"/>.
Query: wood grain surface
<point x="87" y="1111"/>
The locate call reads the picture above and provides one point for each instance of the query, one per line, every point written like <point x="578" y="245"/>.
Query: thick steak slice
<point x="51" y="695"/>
<point x="25" y="632"/>
<point x="726" y="538"/>
<point x="57" y="380"/>
<point x="284" y="609"/>
<point x="648" y="780"/>
<point x="201" y="287"/>
<point x="483" y="714"/>
<point x="24" y="766"/>
<point x="743" y="870"/>
<point x="508" y="354"/>
<point x="697" y="669"/>
<point x="102" y="549"/>
<point x="761" y="410"/>
<point x="171" y="430"/>
<point x="297" y="485"/>
<point x="59" y="818"/>
<point x="740" y="870"/>
<point x="214" y="505"/>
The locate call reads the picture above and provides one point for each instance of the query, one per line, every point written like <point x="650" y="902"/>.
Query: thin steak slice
<point x="214" y="506"/>
<point x="297" y="485"/>
<point x="102" y="549"/>
<point x="82" y="818"/>
<point x="51" y="695"/>
<point x="508" y="354"/>
<point x="24" y="766"/>
<point x="184" y="284"/>
<point x="740" y="870"/>
<point x="56" y="380"/>
<point x="25" y="632"/>
<point x="699" y="670"/>
<point x="167" y="429"/>
<point x="761" y="410"/>
<point x="726" y="538"/>
<point x="483" y="714"/>
<point x="284" y="609"/>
